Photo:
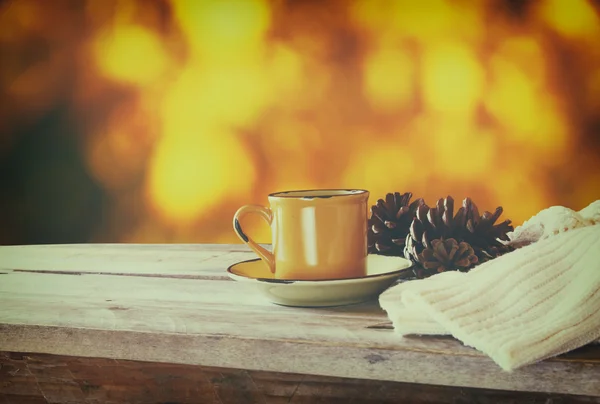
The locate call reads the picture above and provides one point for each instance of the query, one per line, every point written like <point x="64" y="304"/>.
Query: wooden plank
<point x="194" y="322"/>
<point x="171" y="260"/>
<point x="60" y="379"/>
<point x="214" y="321"/>
<point x="208" y="307"/>
<point x="180" y="306"/>
<point x="285" y="356"/>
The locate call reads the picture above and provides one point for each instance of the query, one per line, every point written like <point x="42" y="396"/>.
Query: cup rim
<point x="337" y="192"/>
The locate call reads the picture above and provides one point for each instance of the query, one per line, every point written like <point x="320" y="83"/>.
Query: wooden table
<point x="164" y="324"/>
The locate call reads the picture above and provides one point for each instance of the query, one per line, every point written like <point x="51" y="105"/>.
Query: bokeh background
<point x="152" y="121"/>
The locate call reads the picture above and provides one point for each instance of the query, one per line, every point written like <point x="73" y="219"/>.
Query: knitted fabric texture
<point x="536" y="302"/>
<point x="552" y="221"/>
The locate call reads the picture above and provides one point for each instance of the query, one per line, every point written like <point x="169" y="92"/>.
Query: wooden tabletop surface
<point x="175" y="304"/>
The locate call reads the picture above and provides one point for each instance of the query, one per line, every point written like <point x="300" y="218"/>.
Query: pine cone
<point x="390" y="222"/>
<point x="446" y="255"/>
<point x="483" y="234"/>
<point x="439" y="222"/>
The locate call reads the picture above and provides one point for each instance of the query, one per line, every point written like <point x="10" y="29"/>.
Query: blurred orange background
<point x="152" y="121"/>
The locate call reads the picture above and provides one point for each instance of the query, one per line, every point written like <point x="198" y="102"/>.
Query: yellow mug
<point x="316" y="234"/>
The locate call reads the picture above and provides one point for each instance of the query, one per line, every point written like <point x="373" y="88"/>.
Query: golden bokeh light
<point x="527" y="55"/>
<point x="223" y="31"/>
<point x="524" y="108"/>
<point x="188" y="177"/>
<point x="513" y="98"/>
<point x="389" y="79"/>
<point x="431" y="20"/>
<point x="461" y="152"/>
<point x="521" y="193"/>
<point x="186" y="110"/>
<point x="452" y="78"/>
<point x="374" y="168"/>
<point x="572" y="18"/>
<point x="285" y="72"/>
<point x="131" y="54"/>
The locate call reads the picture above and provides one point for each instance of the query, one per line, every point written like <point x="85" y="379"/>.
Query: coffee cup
<point x="316" y="234"/>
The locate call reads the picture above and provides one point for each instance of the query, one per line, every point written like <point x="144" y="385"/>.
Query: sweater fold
<point x="536" y="302"/>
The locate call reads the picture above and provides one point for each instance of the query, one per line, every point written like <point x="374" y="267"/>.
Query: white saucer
<point x="382" y="271"/>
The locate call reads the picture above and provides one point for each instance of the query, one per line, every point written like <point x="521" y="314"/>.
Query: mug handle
<point x="266" y="214"/>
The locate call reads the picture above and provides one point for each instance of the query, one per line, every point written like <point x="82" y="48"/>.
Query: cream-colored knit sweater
<point x="536" y="302"/>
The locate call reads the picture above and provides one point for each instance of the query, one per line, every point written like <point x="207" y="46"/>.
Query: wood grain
<point x="175" y="304"/>
<point x="167" y="260"/>
<point x="35" y="378"/>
